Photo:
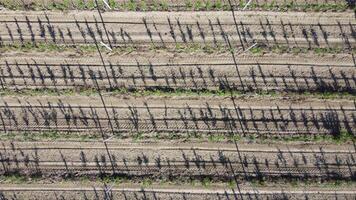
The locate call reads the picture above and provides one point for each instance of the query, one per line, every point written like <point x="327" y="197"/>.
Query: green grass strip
<point x="165" y="5"/>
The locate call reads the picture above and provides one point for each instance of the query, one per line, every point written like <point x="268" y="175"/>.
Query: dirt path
<point x="122" y="101"/>
<point x="293" y="29"/>
<point x="163" y="56"/>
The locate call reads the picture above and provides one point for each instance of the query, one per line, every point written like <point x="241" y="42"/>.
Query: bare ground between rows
<point x="93" y="136"/>
<point x="171" y="186"/>
<point x="177" y="101"/>
<point x="189" y="16"/>
<point x="161" y="57"/>
<point x="152" y="28"/>
<point x="73" y="55"/>
<point x="49" y="192"/>
<point x="174" y="145"/>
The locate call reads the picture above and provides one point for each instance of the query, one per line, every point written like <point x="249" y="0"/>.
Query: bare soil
<point x="154" y="53"/>
<point x="180" y="71"/>
<point x="294" y="29"/>
<point x="266" y="116"/>
<point x="53" y="192"/>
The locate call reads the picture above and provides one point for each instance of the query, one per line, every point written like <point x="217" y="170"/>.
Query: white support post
<point x="105" y="45"/>
<point x="107" y="4"/>
<point x="248" y="3"/>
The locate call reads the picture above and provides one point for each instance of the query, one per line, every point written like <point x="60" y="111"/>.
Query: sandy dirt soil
<point x="245" y="73"/>
<point x="53" y="192"/>
<point x="141" y="140"/>
<point x="294" y="29"/>
<point x="187" y="115"/>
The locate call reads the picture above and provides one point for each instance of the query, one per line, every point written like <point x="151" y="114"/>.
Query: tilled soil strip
<point x="249" y="73"/>
<point x="57" y="159"/>
<point x="140" y="193"/>
<point x="166" y="115"/>
<point x="163" y="29"/>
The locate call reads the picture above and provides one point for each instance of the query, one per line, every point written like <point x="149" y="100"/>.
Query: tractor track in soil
<point x="295" y="29"/>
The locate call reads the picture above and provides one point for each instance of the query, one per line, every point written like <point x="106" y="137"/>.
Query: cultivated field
<point x="173" y="99"/>
<point x="250" y="73"/>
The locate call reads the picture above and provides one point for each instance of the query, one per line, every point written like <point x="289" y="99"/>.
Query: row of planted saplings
<point x="218" y="164"/>
<point x="241" y="77"/>
<point x="34" y="32"/>
<point x="206" y="118"/>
